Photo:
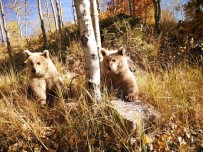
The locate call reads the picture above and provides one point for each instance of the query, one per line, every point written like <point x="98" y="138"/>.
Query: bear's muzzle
<point x="109" y="68"/>
<point x="33" y="70"/>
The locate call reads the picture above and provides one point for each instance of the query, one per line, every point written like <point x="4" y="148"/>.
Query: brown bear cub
<point x="116" y="75"/>
<point x="43" y="74"/>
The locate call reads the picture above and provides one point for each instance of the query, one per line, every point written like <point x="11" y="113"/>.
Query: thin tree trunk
<point x="145" y="13"/>
<point x="58" y="15"/>
<point x="95" y="21"/>
<point x="2" y="33"/>
<point x="48" y="17"/>
<point x="89" y="42"/>
<point x="133" y="8"/>
<point x="18" y="22"/>
<point x="42" y="24"/>
<point x="54" y="15"/>
<point x="60" y="11"/>
<point x="130" y="7"/>
<point x="73" y="11"/>
<point x="26" y="21"/>
<point x="6" y="32"/>
<point x="157" y="15"/>
<point x="16" y="9"/>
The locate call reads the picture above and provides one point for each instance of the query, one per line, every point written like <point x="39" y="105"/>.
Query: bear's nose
<point x="33" y="70"/>
<point x="109" y="68"/>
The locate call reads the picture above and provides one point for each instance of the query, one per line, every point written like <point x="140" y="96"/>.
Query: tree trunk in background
<point x="54" y="15"/>
<point x="48" y="17"/>
<point x="59" y="17"/>
<point x="133" y="8"/>
<point x="26" y="21"/>
<point x="5" y="30"/>
<point x="42" y="24"/>
<point x="157" y="15"/>
<point x="89" y="42"/>
<point x="2" y="33"/>
<point x="60" y="11"/>
<point x="130" y="7"/>
<point x="16" y="8"/>
<point x="95" y="21"/>
<point x="73" y="11"/>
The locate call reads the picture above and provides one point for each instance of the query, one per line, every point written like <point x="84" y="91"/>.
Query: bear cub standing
<point x="43" y="74"/>
<point x="116" y="75"/>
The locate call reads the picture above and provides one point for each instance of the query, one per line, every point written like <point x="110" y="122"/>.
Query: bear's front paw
<point x="132" y="97"/>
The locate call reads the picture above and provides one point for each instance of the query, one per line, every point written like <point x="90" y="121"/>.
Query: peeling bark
<point x="95" y="21"/>
<point x="89" y="42"/>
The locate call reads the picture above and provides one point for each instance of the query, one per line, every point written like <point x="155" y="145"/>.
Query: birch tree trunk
<point x="54" y="15"/>
<point x="73" y="11"/>
<point x="19" y="22"/>
<point x="2" y="33"/>
<point x="157" y="15"/>
<point x="95" y="21"/>
<point x="16" y="7"/>
<point x="61" y="16"/>
<point x="5" y="30"/>
<point x="42" y="24"/>
<point x="26" y="21"/>
<point x="47" y="14"/>
<point x="89" y="42"/>
<point x="58" y="15"/>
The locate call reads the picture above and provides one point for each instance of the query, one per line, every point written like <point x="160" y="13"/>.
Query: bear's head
<point x="37" y="63"/>
<point x="114" y="61"/>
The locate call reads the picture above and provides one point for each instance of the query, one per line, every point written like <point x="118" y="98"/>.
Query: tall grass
<point x="74" y="124"/>
<point x="79" y="126"/>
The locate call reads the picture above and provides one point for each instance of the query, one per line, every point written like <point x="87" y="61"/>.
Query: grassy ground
<point x="73" y="124"/>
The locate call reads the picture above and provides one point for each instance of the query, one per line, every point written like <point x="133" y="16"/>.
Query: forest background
<point x="164" y="43"/>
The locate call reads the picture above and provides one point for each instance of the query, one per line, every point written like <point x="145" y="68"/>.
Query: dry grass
<point x="74" y="124"/>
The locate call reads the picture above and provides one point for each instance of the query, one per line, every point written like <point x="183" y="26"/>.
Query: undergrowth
<point x="75" y="124"/>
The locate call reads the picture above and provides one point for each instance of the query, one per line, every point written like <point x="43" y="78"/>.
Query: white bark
<point x="95" y="21"/>
<point x="47" y="14"/>
<point x="89" y="42"/>
<point x="42" y="24"/>
<point x="58" y="15"/>
<point x="5" y="30"/>
<point x="54" y="15"/>
<point x="26" y="20"/>
<point x="2" y="33"/>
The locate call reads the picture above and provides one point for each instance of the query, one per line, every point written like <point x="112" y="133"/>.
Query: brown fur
<point x="116" y="74"/>
<point x="43" y="74"/>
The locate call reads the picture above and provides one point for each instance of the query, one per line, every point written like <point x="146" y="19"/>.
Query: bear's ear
<point x="27" y="53"/>
<point x="103" y="52"/>
<point x="46" y="53"/>
<point x="121" y="51"/>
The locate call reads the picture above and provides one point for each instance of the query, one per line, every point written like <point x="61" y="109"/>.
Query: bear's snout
<point x="109" y="68"/>
<point x="33" y="70"/>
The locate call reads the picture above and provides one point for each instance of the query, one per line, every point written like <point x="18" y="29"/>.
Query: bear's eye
<point x="114" y="60"/>
<point x="38" y="63"/>
<point x="31" y="63"/>
<point x="107" y="60"/>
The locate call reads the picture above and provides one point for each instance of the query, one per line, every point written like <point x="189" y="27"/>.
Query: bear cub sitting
<point x="43" y="74"/>
<point x="116" y="75"/>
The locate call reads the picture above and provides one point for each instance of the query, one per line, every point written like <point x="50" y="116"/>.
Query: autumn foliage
<point x="142" y="9"/>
